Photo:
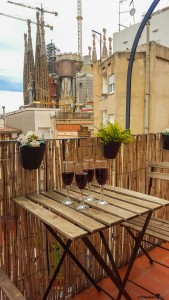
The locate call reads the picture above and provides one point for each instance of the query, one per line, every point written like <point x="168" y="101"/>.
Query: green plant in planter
<point x="114" y="132"/>
<point x="112" y="135"/>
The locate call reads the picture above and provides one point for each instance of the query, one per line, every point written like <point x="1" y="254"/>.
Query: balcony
<point x="23" y="249"/>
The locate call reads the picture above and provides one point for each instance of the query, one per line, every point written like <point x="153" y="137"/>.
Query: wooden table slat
<point x="98" y="215"/>
<point x="111" y="209"/>
<point x="147" y="198"/>
<point x="129" y="199"/>
<point x="124" y="201"/>
<point x="63" y="226"/>
<point x="70" y="214"/>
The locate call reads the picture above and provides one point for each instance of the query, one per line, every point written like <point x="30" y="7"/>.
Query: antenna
<point x="132" y="12"/>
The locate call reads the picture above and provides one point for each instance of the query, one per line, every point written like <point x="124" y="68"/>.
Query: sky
<point x="97" y="14"/>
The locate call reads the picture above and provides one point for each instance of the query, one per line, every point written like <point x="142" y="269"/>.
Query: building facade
<point x="149" y="79"/>
<point x="158" y="32"/>
<point x="149" y="104"/>
<point x="51" y="123"/>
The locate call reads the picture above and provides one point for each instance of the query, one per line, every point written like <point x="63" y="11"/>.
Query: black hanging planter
<point x="111" y="149"/>
<point x="31" y="157"/>
<point x="166" y="141"/>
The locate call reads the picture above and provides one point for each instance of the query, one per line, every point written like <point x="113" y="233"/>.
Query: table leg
<point x="115" y="269"/>
<point x="106" y="268"/>
<point x="67" y="246"/>
<point x="134" y="254"/>
<point x="141" y="247"/>
<point x="67" y="251"/>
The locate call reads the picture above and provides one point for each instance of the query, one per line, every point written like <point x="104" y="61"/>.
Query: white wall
<point x="2" y="122"/>
<point x="159" y="32"/>
<point x="35" y="119"/>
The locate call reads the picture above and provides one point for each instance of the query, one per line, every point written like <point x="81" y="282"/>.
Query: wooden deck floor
<point x="153" y="277"/>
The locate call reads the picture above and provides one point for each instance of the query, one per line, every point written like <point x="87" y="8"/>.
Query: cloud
<point x="11" y="100"/>
<point x="13" y="86"/>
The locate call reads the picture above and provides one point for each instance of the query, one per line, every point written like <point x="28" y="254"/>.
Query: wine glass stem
<point x="67" y="187"/>
<point x="101" y="187"/>
<point x="89" y="185"/>
<point x="82" y="196"/>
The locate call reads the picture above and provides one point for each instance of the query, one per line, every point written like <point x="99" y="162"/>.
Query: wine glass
<point x="81" y="181"/>
<point x="90" y="175"/>
<point x="101" y="172"/>
<point x="67" y="177"/>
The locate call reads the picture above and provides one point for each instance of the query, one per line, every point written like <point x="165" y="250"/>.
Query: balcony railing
<point x="24" y="242"/>
<point x="74" y="115"/>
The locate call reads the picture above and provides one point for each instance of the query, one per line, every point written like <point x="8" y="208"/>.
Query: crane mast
<point x="25" y="20"/>
<point x="79" y="25"/>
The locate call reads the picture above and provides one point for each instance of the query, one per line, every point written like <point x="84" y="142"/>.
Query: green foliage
<point x="114" y="132"/>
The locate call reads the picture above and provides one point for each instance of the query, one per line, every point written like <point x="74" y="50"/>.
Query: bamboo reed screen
<point x="28" y="253"/>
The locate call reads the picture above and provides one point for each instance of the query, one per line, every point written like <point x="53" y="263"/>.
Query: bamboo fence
<point x="28" y="253"/>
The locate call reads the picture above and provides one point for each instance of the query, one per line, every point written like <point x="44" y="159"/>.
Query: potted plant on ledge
<point x="32" y="150"/>
<point x="165" y="136"/>
<point x="112" y="135"/>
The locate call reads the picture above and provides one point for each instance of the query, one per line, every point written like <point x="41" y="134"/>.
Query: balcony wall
<point x="28" y="253"/>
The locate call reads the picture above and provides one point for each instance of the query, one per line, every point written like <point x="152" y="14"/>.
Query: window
<point x="111" y="118"/>
<point x="111" y="84"/>
<point x="104" y="87"/>
<point x="104" y="116"/>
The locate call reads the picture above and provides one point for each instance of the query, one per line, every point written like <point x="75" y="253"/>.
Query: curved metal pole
<point x="131" y="59"/>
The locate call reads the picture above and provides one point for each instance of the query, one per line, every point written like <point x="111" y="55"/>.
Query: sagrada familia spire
<point x="28" y="76"/>
<point x="36" y="76"/>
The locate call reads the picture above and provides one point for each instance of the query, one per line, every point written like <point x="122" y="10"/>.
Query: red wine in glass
<point x="67" y="177"/>
<point x="81" y="181"/>
<point x="101" y="172"/>
<point x="101" y="175"/>
<point x="90" y="176"/>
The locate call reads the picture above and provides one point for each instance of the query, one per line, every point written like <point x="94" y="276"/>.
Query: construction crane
<point x="79" y="25"/>
<point x="26" y="20"/>
<point x="35" y="7"/>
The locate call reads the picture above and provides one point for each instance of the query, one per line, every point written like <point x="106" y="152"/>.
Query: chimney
<point x="2" y="119"/>
<point x="3" y="107"/>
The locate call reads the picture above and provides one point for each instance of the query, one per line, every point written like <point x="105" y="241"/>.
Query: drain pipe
<point x="147" y="86"/>
<point x="131" y="59"/>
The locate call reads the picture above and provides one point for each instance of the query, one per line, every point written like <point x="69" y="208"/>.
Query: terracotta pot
<point x="166" y="141"/>
<point x="111" y="149"/>
<point x="31" y="157"/>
